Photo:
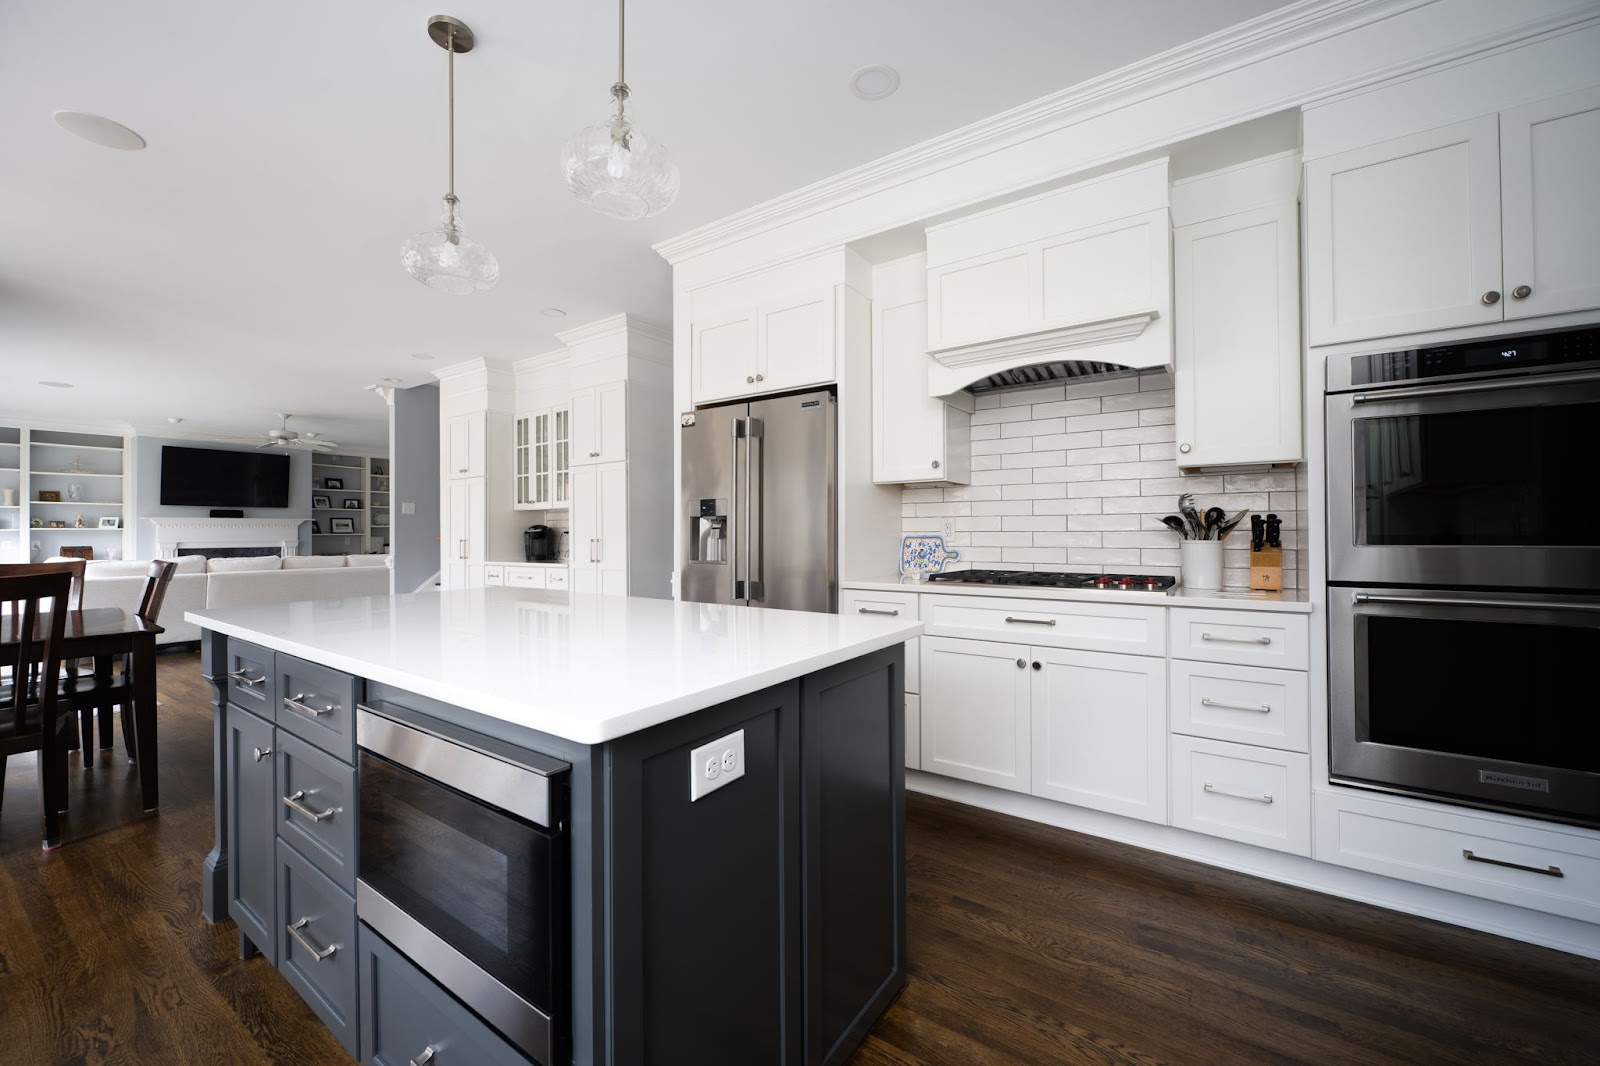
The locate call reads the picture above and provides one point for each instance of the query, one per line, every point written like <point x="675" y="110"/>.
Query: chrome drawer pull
<point x="424" y="1058"/>
<point x="316" y="956"/>
<point x="1548" y="871"/>
<point x="1265" y="797"/>
<point x="875" y="610"/>
<point x="246" y="680"/>
<point x="294" y="704"/>
<point x="261" y="753"/>
<point x="294" y="804"/>
<point x="1264" y="708"/>
<point x="1032" y="621"/>
<point x="1236" y="640"/>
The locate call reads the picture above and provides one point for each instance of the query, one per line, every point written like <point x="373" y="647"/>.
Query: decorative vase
<point x="10" y="496"/>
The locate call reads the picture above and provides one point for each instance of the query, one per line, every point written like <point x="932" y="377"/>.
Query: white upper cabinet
<point x="466" y="438"/>
<point x="1236" y="278"/>
<point x="542" y="459"/>
<point x="724" y="355"/>
<point x="600" y="423"/>
<point x="915" y="437"/>
<point x="779" y="344"/>
<point x="1549" y="157"/>
<point x="1418" y="234"/>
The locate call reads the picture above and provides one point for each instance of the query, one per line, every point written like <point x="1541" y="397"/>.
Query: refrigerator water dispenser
<point x="708" y="534"/>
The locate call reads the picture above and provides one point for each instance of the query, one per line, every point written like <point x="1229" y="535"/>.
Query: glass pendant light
<point x="445" y="258"/>
<point x="615" y="167"/>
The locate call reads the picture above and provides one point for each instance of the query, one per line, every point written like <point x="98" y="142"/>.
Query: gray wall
<point x="414" y="480"/>
<point x="147" y="492"/>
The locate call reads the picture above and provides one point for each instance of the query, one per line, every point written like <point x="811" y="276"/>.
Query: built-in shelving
<point x="358" y="485"/>
<point x="85" y="470"/>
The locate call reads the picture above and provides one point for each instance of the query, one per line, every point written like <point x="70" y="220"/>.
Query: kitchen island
<point x="704" y="849"/>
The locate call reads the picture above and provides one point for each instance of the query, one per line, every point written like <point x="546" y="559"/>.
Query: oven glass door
<point x="1482" y="487"/>
<point x="482" y="880"/>
<point x="1490" y="700"/>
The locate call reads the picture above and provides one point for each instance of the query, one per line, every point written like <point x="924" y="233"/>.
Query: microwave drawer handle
<point x="317" y="954"/>
<point x="1235" y="640"/>
<point x="1548" y="871"/>
<point x="1440" y="601"/>
<point x="294" y="703"/>
<point x="1466" y="388"/>
<point x="292" y="802"/>
<point x="1032" y="621"/>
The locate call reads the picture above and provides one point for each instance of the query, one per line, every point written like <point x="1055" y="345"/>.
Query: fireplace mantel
<point x="175" y="533"/>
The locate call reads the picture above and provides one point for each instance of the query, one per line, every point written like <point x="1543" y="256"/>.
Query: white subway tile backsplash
<point x="1077" y="477"/>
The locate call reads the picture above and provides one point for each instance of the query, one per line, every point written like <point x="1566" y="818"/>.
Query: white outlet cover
<point x="947" y="529"/>
<point x="713" y="765"/>
<point x="408" y="507"/>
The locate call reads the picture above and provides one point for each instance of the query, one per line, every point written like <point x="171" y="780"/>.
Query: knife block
<point x="1266" y="570"/>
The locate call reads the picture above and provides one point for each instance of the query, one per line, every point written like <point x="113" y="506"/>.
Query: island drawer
<point x="1249" y="638"/>
<point x="318" y="704"/>
<point x="1255" y="795"/>
<point x="316" y="808"/>
<point x="1245" y="704"/>
<point x="317" y="943"/>
<point x="1112" y="627"/>
<point x="252" y="682"/>
<point x="406" y="1018"/>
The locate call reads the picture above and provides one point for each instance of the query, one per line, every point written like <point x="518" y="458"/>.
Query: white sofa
<point x="199" y="582"/>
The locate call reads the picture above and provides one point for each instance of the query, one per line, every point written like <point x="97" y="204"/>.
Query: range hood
<point x="1105" y="348"/>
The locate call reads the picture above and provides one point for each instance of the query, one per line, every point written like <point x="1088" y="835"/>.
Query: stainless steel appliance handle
<point x="293" y="803"/>
<point x="736" y="590"/>
<point x="424" y="1058"/>
<point x="1214" y="638"/>
<point x="1468" y="387"/>
<point x="1262" y="708"/>
<point x="1265" y="797"/>
<point x="244" y="679"/>
<point x="294" y="704"/>
<point x="1440" y="601"/>
<point x="876" y="610"/>
<point x="1032" y="621"/>
<point x="317" y="954"/>
<point x="755" y="491"/>
<point x="1548" y="871"/>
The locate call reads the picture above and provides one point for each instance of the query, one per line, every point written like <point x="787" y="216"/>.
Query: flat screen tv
<point x="211" y="477"/>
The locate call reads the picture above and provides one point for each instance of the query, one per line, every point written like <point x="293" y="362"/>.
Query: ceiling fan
<point x="284" y="437"/>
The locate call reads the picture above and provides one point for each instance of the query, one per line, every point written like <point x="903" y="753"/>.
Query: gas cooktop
<point x="1049" y="579"/>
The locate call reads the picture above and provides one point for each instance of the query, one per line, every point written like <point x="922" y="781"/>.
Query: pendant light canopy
<point x="615" y="167"/>
<point x="444" y="258"/>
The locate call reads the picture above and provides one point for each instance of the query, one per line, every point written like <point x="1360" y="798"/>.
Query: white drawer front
<point x="527" y="577"/>
<point x="1432" y="847"/>
<point x="901" y="605"/>
<point x="1245" y="704"/>
<point x="1085" y="626"/>
<point x="1249" y="638"/>
<point x="1254" y="795"/>
<point x="494" y="575"/>
<point x="913" y="732"/>
<point x="555" y="577"/>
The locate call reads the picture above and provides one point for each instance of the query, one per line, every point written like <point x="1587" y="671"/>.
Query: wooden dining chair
<point x="74" y="568"/>
<point x="100" y="691"/>
<point x="32" y="717"/>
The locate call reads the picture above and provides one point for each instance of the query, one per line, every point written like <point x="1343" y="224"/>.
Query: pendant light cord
<point x="621" y="40"/>
<point x="451" y="48"/>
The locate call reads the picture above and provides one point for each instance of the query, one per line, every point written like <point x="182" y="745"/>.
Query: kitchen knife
<point x="1257" y="532"/>
<point x="1274" y="524"/>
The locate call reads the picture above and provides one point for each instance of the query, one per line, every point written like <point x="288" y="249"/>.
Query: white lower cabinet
<point x="1258" y="796"/>
<point x="977" y="700"/>
<point x="913" y="731"/>
<point x="1099" y="727"/>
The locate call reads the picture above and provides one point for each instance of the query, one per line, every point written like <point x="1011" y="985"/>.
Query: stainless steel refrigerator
<point x="759" y="500"/>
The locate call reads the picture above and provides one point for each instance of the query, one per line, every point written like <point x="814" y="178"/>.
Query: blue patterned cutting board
<point x="923" y="553"/>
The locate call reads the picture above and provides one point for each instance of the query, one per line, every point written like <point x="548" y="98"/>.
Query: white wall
<point x="146" y="502"/>
<point x="414" y="481"/>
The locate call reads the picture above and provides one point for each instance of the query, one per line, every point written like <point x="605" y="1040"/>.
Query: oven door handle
<point x="1468" y="387"/>
<point x="1439" y="601"/>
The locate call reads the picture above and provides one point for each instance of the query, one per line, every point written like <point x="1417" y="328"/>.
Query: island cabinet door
<point x="976" y="711"/>
<point x="252" y="830"/>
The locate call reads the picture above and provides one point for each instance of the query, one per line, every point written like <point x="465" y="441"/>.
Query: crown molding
<point x="612" y="326"/>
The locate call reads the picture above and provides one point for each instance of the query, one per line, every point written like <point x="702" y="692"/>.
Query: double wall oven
<point x="1464" y="573"/>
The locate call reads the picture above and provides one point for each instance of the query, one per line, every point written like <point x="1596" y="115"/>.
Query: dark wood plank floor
<point x="1028" y="945"/>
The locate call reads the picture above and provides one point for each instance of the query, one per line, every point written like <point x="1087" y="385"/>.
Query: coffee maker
<point x="540" y="544"/>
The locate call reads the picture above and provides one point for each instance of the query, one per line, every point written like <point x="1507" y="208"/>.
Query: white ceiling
<point x="247" y="262"/>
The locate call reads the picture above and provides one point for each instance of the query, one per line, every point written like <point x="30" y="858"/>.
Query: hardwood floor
<point x="1028" y="945"/>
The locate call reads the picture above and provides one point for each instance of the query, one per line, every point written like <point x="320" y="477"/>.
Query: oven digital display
<point x="1511" y="353"/>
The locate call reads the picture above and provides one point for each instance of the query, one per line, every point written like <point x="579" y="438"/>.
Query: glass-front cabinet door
<point x="562" y="495"/>
<point x="520" y="463"/>
<point x="541" y="459"/>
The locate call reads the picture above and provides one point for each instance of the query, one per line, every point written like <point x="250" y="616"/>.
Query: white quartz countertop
<point x="1292" y="601"/>
<point x="580" y="666"/>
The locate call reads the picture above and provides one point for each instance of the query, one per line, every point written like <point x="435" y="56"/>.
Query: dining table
<point x="98" y="632"/>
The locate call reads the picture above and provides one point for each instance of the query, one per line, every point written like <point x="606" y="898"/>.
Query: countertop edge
<point x="1207" y="600"/>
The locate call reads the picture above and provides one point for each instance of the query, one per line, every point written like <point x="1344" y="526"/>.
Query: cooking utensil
<point x="1258" y="532"/>
<point x="1227" y="526"/>
<point x="1214" y="517"/>
<point x="1176" y="524"/>
<point x="1197" y="525"/>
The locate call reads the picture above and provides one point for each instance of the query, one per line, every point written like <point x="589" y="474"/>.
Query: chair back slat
<point x="155" y="588"/>
<point x="34" y="658"/>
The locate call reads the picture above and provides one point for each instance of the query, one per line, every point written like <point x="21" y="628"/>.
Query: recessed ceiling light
<point x="421" y="355"/>
<point x="875" y="82"/>
<point x="97" y="129"/>
<point x="553" y="312"/>
<point x="174" y="421"/>
<point x="58" y="384"/>
<point x="391" y="381"/>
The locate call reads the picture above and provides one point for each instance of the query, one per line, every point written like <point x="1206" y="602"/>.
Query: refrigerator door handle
<point x="738" y="590"/>
<point x="755" y="489"/>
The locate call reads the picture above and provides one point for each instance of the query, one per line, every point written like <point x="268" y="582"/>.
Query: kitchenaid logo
<point x="1532" y="784"/>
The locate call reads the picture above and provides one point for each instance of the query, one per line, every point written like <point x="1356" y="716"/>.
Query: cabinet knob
<point x="1491" y="297"/>
<point x="1022" y="664"/>
<point x="1522" y="292"/>
<point x="749" y="380"/>
<point x="261" y="753"/>
<point x="936" y="464"/>
<point x="1184" y="448"/>
<point x="761" y="377"/>
<point x="1038" y="666"/>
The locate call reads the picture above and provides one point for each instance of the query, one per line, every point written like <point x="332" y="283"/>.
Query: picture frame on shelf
<point x="57" y="523"/>
<point x="352" y="505"/>
<point x="342" y="525"/>
<point x="110" y="522"/>
<point x="324" y="502"/>
<point x="49" y="495"/>
<point x="333" y="482"/>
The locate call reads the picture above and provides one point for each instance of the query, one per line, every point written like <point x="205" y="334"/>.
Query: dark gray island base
<point x="763" y="923"/>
